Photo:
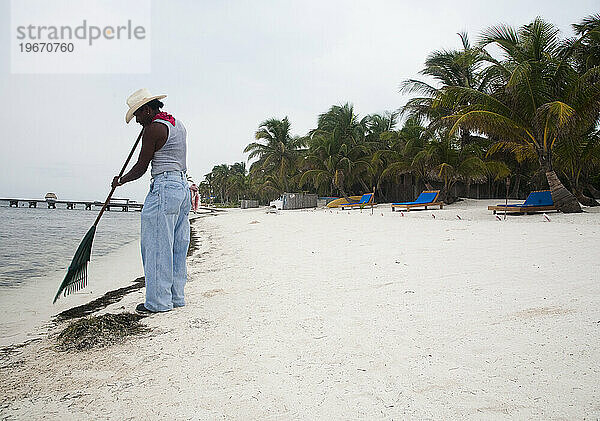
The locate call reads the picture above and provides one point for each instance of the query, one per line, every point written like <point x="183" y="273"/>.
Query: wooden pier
<point x="124" y="205"/>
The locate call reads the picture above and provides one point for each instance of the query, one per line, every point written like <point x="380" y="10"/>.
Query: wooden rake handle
<point x="120" y="174"/>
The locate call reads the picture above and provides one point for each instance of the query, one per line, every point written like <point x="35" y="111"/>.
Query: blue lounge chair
<point x="537" y="201"/>
<point x="365" y="200"/>
<point x="425" y="199"/>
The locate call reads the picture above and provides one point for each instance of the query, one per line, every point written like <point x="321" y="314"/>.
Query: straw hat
<point x="137" y="99"/>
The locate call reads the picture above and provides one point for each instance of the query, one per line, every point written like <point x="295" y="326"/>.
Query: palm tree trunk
<point x="517" y="186"/>
<point x="340" y="188"/>
<point x="583" y="199"/>
<point x="563" y="199"/>
<point x="344" y="194"/>
<point x="595" y="193"/>
<point x="446" y="195"/>
<point x="363" y="185"/>
<point x="285" y="183"/>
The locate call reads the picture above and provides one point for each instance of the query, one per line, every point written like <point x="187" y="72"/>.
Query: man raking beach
<point x="165" y="227"/>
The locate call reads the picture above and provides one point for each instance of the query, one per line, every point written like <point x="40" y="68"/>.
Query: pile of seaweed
<point x="100" y="331"/>
<point x="101" y="303"/>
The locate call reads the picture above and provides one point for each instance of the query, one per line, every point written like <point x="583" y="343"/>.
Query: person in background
<point x="195" y="196"/>
<point x="165" y="234"/>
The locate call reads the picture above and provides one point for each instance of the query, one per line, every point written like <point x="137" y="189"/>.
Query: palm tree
<point x="381" y="137"/>
<point x="378" y="124"/>
<point x="219" y="177"/>
<point x="331" y="166"/>
<point x="343" y="124"/>
<point x="338" y="152"/>
<point x="277" y="150"/>
<point x="397" y="157"/>
<point x="204" y="189"/>
<point x="236" y="180"/>
<point x="541" y="98"/>
<point x="446" y="68"/>
<point x="584" y="48"/>
<point x="578" y="157"/>
<point x="445" y="159"/>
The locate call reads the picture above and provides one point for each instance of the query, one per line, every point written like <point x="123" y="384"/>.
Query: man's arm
<point x="154" y="137"/>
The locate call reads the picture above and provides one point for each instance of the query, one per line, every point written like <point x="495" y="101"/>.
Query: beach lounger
<point x="365" y="200"/>
<point x="343" y="201"/>
<point x="537" y="201"/>
<point x="425" y="199"/>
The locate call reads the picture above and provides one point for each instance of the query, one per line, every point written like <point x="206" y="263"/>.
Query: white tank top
<point x="172" y="156"/>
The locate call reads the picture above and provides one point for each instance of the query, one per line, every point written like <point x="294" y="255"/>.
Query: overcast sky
<point x="227" y="66"/>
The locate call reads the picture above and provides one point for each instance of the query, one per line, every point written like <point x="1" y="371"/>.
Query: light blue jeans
<point x="165" y="239"/>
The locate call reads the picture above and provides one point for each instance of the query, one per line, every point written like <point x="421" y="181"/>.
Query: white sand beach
<point x="323" y="314"/>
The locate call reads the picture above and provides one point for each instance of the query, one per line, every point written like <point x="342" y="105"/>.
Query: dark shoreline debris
<point x="193" y="242"/>
<point x="7" y="350"/>
<point x="100" y="331"/>
<point x="100" y="303"/>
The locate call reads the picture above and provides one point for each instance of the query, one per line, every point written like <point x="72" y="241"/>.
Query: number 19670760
<point x="47" y="47"/>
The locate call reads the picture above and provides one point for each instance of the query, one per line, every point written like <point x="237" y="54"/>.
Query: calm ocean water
<point x="36" y="241"/>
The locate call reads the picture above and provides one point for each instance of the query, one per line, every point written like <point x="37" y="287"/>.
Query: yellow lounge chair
<point x="365" y="200"/>
<point x="343" y="201"/>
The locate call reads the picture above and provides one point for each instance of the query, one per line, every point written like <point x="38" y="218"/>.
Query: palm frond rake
<point x="76" y="277"/>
